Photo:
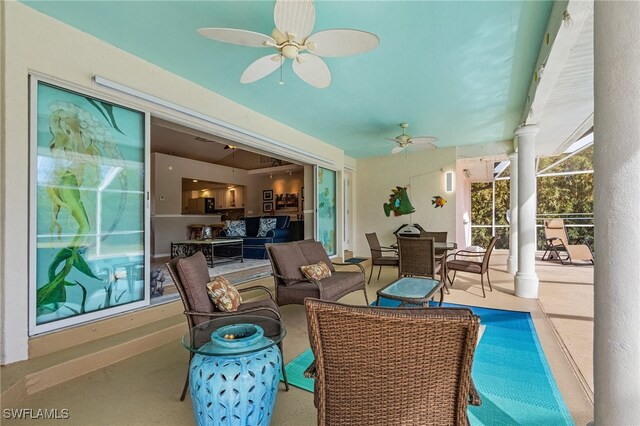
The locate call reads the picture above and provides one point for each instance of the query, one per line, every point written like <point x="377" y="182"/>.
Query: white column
<point x="526" y="280"/>
<point x="616" y="357"/>
<point x="512" y="260"/>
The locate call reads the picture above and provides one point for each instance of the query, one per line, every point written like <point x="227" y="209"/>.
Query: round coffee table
<point x="235" y="369"/>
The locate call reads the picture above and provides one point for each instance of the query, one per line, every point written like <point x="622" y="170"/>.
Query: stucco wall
<point x="36" y="43"/>
<point x="424" y="173"/>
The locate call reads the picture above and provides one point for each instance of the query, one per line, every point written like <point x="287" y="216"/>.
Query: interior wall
<point x="280" y="183"/>
<point x="35" y="43"/>
<point x="424" y="173"/>
<point x="167" y="221"/>
<point x="168" y="173"/>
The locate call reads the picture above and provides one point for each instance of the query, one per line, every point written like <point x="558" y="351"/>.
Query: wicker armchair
<point x="190" y="275"/>
<point x="472" y="262"/>
<point x="375" y="366"/>
<point x="378" y="257"/>
<point x="292" y="287"/>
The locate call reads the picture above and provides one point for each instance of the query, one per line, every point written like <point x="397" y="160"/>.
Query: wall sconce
<point x="448" y="182"/>
<point x="467" y="173"/>
<point x="270" y="176"/>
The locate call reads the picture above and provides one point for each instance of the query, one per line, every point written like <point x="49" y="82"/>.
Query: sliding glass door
<point x="326" y="208"/>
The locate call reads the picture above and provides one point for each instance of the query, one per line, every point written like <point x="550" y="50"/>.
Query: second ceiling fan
<point x="294" y="20"/>
<point x="405" y="140"/>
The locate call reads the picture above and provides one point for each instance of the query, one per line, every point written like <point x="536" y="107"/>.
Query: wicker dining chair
<point x="417" y="257"/>
<point x="190" y="276"/>
<point x="378" y="257"/>
<point x="381" y="366"/>
<point x="472" y="262"/>
<point x="438" y="237"/>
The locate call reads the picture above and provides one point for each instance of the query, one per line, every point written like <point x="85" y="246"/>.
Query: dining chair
<point x="418" y="372"/>
<point x="473" y="262"/>
<point x="417" y="257"/>
<point x="378" y="257"/>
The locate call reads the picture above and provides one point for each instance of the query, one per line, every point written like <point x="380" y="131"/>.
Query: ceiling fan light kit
<point x="294" y="20"/>
<point x="405" y="140"/>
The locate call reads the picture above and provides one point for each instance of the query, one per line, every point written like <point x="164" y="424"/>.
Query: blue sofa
<point x="253" y="246"/>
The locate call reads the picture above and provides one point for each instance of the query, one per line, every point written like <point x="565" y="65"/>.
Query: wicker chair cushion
<point x="387" y="260"/>
<point x="317" y="271"/>
<point x="314" y="252"/>
<point x="465" y="266"/>
<point x="340" y="283"/>
<point x="224" y="295"/>
<point x="194" y="275"/>
<point x="289" y="258"/>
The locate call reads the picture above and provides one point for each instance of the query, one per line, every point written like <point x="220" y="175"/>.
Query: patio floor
<point x="145" y="389"/>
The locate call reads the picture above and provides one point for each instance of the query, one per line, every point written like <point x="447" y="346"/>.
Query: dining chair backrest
<point x="438" y="237"/>
<point x="417" y="256"/>
<point x="487" y="253"/>
<point x="374" y="245"/>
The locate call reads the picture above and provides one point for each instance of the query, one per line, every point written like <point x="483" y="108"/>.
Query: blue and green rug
<point x="510" y="371"/>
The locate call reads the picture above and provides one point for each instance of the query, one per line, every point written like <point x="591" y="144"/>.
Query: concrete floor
<point x="145" y="389"/>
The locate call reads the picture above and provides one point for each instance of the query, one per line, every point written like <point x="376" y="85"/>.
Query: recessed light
<point x="195" y="180"/>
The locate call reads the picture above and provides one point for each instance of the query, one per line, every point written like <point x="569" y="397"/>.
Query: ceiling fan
<point x="404" y="140"/>
<point x="294" y="21"/>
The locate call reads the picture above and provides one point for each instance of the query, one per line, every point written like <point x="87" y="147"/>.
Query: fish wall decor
<point x="438" y="201"/>
<point x="398" y="203"/>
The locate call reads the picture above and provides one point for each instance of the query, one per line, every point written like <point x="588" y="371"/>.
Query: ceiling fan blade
<point x="295" y="16"/>
<point x="392" y="140"/>
<point x="397" y="149"/>
<point x="234" y="36"/>
<point x="424" y="141"/>
<point x="341" y="42"/>
<point x="312" y="70"/>
<point x="260" y="68"/>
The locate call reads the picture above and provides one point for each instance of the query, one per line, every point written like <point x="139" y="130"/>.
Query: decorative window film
<point x="88" y="211"/>
<point x="327" y="224"/>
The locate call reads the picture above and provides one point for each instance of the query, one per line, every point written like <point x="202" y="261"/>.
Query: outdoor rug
<point x="356" y="260"/>
<point x="510" y="371"/>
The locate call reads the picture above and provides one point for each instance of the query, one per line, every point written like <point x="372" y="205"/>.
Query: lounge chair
<point x="557" y="243"/>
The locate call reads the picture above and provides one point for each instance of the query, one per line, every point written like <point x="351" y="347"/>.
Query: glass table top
<point x="234" y="335"/>
<point x="411" y="288"/>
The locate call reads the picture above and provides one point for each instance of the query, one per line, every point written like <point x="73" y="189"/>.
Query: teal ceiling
<point x="456" y="70"/>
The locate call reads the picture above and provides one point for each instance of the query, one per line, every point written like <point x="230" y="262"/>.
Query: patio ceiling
<point x="456" y="70"/>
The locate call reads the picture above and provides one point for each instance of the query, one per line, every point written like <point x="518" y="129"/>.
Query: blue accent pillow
<point x="235" y="228"/>
<point x="265" y="226"/>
